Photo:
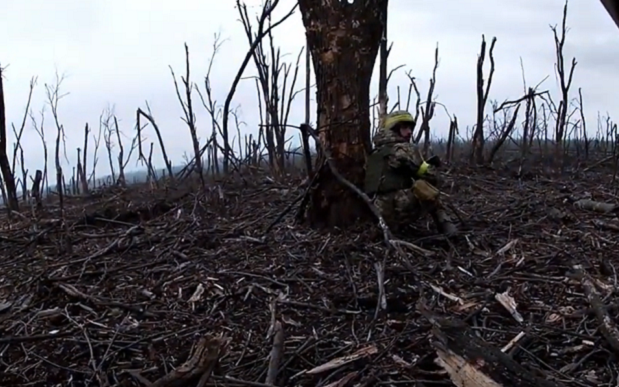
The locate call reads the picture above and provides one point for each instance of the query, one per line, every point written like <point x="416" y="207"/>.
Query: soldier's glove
<point x="435" y="161"/>
<point x="423" y="169"/>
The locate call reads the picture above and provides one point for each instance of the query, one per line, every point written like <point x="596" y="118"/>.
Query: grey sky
<point x="118" y="52"/>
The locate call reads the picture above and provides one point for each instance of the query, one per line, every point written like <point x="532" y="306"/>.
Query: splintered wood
<point x="471" y="362"/>
<point x="443" y="293"/>
<point x="513" y="342"/>
<point x="607" y="325"/>
<point x="508" y="246"/>
<point x="509" y="303"/>
<point x="340" y="361"/>
<point x="462" y="373"/>
<point x="201" y="364"/>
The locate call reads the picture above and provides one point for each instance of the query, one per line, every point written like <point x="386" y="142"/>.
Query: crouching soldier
<point x="402" y="183"/>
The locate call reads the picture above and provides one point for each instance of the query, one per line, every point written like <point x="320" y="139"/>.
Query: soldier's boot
<point x="444" y="223"/>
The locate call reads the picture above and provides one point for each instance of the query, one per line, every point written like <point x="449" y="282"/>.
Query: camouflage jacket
<point x="392" y="165"/>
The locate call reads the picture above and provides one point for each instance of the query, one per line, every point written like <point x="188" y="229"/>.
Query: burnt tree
<point x="343" y="38"/>
<point x="5" y="166"/>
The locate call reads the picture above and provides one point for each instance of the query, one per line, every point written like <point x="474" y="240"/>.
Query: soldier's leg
<point x="443" y="221"/>
<point x="429" y="197"/>
<point x="406" y="205"/>
<point x="385" y="205"/>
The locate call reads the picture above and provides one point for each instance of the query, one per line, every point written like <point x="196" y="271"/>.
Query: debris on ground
<point x="153" y="288"/>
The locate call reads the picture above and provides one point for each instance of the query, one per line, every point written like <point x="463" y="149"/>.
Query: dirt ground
<point x="143" y="280"/>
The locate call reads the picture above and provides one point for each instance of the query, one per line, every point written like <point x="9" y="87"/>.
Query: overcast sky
<point x="117" y="52"/>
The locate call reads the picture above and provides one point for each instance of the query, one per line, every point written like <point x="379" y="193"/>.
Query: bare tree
<point x="273" y="80"/>
<point x="344" y="40"/>
<point x="565" y="81"/>
<point x="37" y="188"/>
<point x="5" y="167"/>
<point x="210" y="105"/>
<point x="121" y="154"/>
<point x="427" y="112"/>
<point x="502" y="130"/>
<point x="304" y="133"/>
<point x="529" y="127"/>
<point x="413" y="86"/>
<point x="18" y="137"/>
<point x="477" y="153"/>
<point x="40" y="129"/>
<point x="383" y="96"/>
<point x="108" y="132"/>
<point x="451" y="138"/>
<point x="24" y="171"/>
<point x="152" y="175"/>
<point x="583" y="124"/>
<point x="53" y="98"/>
<point x="122" y="160"/>
<point x="190" y="117"/>
<point x="95" y="157"/>
<point x="268" y="8"/>
<point x="81" y="163"/>
<point x="151" y="120"/>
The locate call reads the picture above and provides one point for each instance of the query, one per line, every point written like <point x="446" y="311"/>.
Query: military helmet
<point x="392" y="119"/>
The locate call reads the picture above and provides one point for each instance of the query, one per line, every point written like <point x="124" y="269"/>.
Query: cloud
<point x="118" y="52"/>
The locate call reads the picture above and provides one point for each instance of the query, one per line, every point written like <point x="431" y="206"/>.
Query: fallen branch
<point x="592" y="205"/>
<point x="341" y="361"/>
<point x="605" y="225"/>
<point x="380" y="279"/>
<point x="200" y="363"/>
<point x="470" y="361"/>
<point x="413" y="247"/>
<point x="598" y="163"/>
<point x="607" y="325"/>
<point x="513" y="342"/>
<point x="276" y="353"/>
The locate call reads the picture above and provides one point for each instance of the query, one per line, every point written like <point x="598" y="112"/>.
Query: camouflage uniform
<point x="401" y="181"/>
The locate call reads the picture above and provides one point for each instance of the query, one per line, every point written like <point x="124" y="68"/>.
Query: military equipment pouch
<point x="425" y="191"/>
<point x="380" y="179"/>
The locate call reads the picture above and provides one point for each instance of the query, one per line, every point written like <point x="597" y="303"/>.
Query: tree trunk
<point x="5" y="166"/>
<point x="343" y="39"/>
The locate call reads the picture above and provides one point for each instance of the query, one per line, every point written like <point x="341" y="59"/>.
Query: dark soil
<point x="137" y="277"/>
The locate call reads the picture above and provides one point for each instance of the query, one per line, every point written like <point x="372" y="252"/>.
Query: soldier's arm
<point x="403" y="157"/>
<point x="407" y="157"/>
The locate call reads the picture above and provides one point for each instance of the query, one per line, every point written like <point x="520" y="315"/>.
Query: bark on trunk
<point x="612" y="7"/>
<point x="343" y="39"/>
<point x="5" y="166"/>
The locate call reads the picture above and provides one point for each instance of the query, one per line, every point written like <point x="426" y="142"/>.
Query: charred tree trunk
<point x="36" y="188"/>
<point x="612" y="7"/>
<point x="5" y="166"/>
<point x="344" y="40"/>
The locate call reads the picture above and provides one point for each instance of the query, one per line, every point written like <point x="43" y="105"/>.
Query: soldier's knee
<point x="404" y="199"/>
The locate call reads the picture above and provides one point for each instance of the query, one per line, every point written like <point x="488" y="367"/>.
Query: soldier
<point x="401" y="181"/>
